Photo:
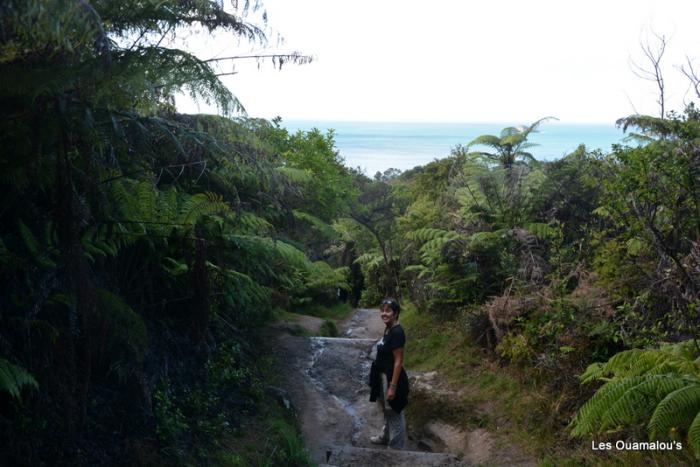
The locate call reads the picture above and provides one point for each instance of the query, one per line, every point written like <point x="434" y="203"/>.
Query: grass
<point x="330" y="315"/>
<point x="493" y="397"/>
<point x="336" y="312"/>
<point x="271" y="439"/>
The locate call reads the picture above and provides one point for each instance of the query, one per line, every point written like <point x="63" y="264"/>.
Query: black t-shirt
<point x="394" y="339"/>
<point x="383" y="367"/>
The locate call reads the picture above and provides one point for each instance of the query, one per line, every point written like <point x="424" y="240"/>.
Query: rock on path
<point x="326" y="380"/>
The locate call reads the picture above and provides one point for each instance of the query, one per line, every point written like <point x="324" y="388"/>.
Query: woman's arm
<point x="398" y="363"/>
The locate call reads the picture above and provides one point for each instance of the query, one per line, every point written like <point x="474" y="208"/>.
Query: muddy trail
<point x="326" y="380"/>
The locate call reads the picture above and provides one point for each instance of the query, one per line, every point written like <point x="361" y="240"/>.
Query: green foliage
<point x="510" y="146"/>
<point x="171" y="424"/>
<point x="127" y="340"/>
<point x="13" y="378"/>
<point x="660" y="386"/>
<point x="320" y="226"/>
<point x="190" y="416"/>
<point x="669" y="358"/>
<point x="653" y="211"/>
<point x="311" y="161"/>
<point x="328" y="329"/>
<point x="132" y="232"/>
<point x="515" y="348"/>
<point x="323" y="278"/>
<point x="290" y="447"/>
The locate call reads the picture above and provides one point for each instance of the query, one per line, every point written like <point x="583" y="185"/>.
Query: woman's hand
<point x="390" y="393"/>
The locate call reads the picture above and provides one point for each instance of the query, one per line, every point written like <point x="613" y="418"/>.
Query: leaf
<point x="677" y="409"/>
<point x="659" y="385"/>
<point x="13" y="378"/>
<point x="634" y="245"/>
<point x="39" y="252"/>
<point x="541" y="230"/>
<point x="694" y="435"/>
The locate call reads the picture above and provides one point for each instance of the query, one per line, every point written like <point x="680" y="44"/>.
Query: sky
<point x="462" y="61"/>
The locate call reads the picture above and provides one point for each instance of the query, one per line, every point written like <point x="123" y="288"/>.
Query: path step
<point x="351" y="456"/>
<point x="343" y="340"/>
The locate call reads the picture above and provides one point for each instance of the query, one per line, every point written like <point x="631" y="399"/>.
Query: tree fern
<point x="589" y="417"/>
<point x="660" y="386"/>
<point x="634" y="362"/>
<point x="40" y="252"/>
<point x="319" y="225"/>
<point x="253" y="224"/>
<point x="433" y="240"/>
<point x="13" y="378"/>
<point x="291" y="255"/>
<point x="199" y="205"/>
<point x="370" y="259"/>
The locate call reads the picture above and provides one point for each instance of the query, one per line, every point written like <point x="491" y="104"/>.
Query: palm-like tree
<point x="510" y="147"/>
<point x="509" y="151"/>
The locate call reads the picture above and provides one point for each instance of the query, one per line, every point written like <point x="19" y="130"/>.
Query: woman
<point x="388" y="380"/>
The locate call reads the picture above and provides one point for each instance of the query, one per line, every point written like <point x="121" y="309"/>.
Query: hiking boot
<point x="379" y="439"/>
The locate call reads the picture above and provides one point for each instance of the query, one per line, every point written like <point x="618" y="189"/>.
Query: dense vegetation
<point x="141" y="250"/>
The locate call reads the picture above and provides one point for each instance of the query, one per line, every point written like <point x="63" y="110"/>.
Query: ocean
<point x="377" y="146"/>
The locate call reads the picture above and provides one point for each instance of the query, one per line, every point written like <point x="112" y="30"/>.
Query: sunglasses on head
<point x="387" y="302"/>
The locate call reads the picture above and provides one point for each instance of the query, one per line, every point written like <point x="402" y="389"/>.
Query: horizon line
<point x="486" y="122"/>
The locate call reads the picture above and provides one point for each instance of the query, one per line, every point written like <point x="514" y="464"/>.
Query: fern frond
<point x="128" y="337"/>
<point x="430" y="248"/>
<point x="200" y="205"/>
<point x="291" y="255"/>
<point x="541" y="231"/>
<point x="633" y="362"/>
<point x="638" y="401"/>
<point x="661" y="385"/>
<point x="13" y="378"/>
<point x="40" y="253"/>
<point x="589" y="417"/>
<point x="485" y="140"/>
<point x="594" y="372"/>
<point x="370" y="260"/>
<point x="252" y="223"/>
<point x="174" y="267"/>
<point x="316" y="223"/>
<point x="513" y="139"/>
<point x="480" y="240"/>
<point x="417" y="268"/>
<point x="677" y="409"/>
<point x="694" y="435"/>
<point x="427" y="234"/>
<point x="146" y="195"/>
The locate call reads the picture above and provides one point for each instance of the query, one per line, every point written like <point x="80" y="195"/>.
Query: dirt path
<point x="326" y="380"/>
